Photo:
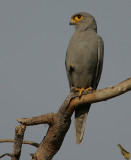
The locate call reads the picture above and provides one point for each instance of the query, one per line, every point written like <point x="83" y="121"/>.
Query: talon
<point x="83" y="89"/>
<point x="89" y="89"/>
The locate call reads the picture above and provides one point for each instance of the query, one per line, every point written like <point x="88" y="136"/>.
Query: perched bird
<point x="84" y="61"/>
<point x="124" y="152"/>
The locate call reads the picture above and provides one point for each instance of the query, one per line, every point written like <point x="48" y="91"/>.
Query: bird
<point x="124" y="152"/>
<point x="84" y="63"/>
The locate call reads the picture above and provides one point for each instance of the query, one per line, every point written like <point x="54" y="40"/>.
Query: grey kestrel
<point x="84" y="61"/>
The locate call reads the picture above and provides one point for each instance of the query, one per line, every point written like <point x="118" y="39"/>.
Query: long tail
<point x="80" y="121"/>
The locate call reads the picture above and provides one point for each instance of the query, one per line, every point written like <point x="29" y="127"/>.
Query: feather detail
<point x="80" y="122"/>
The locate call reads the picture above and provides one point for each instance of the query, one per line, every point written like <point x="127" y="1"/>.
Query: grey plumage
<point x="84" y="61"/>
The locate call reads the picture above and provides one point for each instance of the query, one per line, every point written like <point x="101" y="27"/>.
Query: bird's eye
<point x="79" y="16"/>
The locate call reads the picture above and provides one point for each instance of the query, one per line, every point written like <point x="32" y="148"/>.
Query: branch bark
<point x="62" y="119"/>
<point x="101" y="95"/>
<point x="19" y="135"/>
<point x="59" y="123"/>
<point x="44" y="119"/>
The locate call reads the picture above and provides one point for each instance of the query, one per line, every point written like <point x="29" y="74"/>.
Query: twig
<point x="24" y="142"/>
<point x="6" y="154"/>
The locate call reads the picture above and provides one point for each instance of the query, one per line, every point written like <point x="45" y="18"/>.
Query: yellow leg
<point x="83" y="89"/>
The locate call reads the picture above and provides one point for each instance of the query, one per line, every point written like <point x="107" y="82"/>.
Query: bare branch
<point x="59" y="123"/>
<point x="62" y="119"/>
<point x="6" y="154"/>
<point x="44" y="119"/>
<point x="24" y="142"/>
<point x="19" y="135"/>
<point x="55" y="134"/>
<point x="100" y="95"/>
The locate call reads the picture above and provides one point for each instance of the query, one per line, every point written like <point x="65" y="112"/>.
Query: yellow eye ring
<point x="78" y="18"/>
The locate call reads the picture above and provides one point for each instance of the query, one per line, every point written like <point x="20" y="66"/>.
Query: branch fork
<point x="59" y="122"/>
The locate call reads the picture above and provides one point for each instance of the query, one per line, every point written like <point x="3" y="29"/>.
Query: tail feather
<point x="80" y="121"/>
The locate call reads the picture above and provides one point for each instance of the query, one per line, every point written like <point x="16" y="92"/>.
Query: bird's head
<point x="83" y="21"/>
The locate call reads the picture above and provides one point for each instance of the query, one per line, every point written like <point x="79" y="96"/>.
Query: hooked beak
<point x="72" y="22"/>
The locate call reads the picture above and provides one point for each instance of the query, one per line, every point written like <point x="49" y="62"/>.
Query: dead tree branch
<point x="24" y="142"/>
<point x="44" y="119"/>
<point x="62" y="119"/>
<point x="6" y="154"/>
<point x="19" y="135"/>
<point x="59" y="123"/>
<point x="101" y="95"/>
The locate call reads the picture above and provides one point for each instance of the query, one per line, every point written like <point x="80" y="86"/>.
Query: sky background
<point x="34" y="36"/>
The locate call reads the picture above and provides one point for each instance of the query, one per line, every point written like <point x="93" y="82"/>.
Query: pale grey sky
<point x="34" y="36"/>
